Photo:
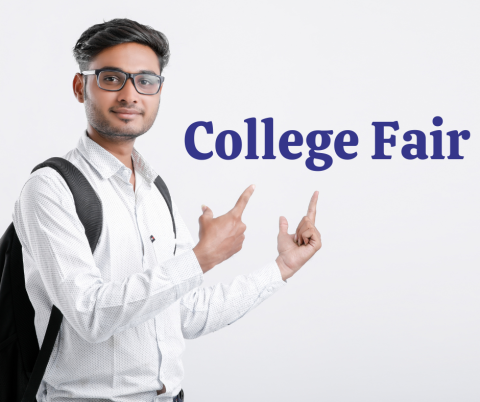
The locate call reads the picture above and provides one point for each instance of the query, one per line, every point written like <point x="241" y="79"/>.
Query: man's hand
<point x="221" y="237"/>
<point x="294" y="250"/>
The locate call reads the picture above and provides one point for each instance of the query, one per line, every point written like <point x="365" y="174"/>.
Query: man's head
<point x="122" y="45"/>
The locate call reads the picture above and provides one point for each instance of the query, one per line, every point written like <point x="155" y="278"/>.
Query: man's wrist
<point x="284" y="270"/>
<point x="202" y="258"/>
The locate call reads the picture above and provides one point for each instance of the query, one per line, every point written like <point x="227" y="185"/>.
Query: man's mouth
<point x="126" y="113"/>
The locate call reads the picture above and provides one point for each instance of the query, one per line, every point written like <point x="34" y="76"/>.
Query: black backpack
<point x="22" y="364"/>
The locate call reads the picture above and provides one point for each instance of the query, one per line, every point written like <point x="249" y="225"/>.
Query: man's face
<point x="126" y="114"/>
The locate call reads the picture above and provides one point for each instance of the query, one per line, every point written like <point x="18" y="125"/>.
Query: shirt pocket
<point x="163" y="247"/>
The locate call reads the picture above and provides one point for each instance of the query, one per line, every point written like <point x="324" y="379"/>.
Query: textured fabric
<point x="128" y="307"/>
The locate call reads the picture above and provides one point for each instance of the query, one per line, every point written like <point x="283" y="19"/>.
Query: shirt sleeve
<point x="51" y="233"/>
<point x="205" y="310"/>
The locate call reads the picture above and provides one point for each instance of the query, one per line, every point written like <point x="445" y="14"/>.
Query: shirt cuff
<point x="184" y="271"/>
<point x="268" y="279"/>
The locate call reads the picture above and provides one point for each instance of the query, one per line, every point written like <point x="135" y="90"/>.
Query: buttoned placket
<point x="140" y="187"/>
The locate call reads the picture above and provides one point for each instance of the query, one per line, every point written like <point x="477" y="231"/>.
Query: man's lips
<point x="126" y="113"/>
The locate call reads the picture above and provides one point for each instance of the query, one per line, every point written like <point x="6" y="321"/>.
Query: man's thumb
<point x="207" y="212"/>
<point x="283" y="225"/>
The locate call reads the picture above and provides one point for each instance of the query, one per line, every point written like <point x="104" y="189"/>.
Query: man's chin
<point x="121" y="134"/>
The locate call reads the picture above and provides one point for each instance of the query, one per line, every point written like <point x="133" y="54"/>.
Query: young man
<point x="128" y="307"/>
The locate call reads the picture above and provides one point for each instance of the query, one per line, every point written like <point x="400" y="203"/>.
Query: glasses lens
<point x="147" y="83"/>
<point x="111" y="80"/>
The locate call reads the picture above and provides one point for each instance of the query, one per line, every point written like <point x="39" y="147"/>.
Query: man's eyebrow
<point x="119" y="69"/>
<point x="148" y="72"/>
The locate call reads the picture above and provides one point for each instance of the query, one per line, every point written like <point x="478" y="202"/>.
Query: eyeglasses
<point x="114" y="80"/>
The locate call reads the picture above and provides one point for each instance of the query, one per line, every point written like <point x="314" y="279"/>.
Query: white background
<point x="388" y="310"/>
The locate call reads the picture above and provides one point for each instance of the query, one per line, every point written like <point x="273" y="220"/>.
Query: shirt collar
<point x="107" y="165"/>
<point x="140" y="165"/>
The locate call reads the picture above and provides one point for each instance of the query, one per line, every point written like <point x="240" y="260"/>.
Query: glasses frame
<point x="129" y="75"/>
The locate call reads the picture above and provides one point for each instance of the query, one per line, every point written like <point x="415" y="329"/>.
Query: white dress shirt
<point x="128" y="307"/>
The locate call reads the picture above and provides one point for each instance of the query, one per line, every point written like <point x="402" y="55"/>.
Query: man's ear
<point x="78" y="87"/>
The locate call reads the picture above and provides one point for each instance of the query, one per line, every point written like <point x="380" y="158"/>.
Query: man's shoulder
<point x="49" y="173"/>
<point x="43" y="194"/>
<point x="47" y="179"/>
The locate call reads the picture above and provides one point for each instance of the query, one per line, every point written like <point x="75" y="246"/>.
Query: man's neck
<point x="121" y="150"/>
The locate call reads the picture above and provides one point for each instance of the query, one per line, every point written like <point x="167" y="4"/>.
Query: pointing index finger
<point x="243" y="200"/>
<point x="312" y="207"/>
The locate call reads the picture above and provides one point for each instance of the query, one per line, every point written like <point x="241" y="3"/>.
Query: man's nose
<point x="128" y="93"/>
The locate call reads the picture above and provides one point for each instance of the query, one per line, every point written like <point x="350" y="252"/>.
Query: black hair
<point x="114" y="32"/>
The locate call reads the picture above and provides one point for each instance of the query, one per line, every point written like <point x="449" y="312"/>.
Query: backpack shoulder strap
<point x="89" y="210"/>
<point x="87" y="202"/>
<point x="162" y="187"/>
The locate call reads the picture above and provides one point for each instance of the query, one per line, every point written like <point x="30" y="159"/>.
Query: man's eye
<point x="145" y="82"/>
<point x="110" y="78"/>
